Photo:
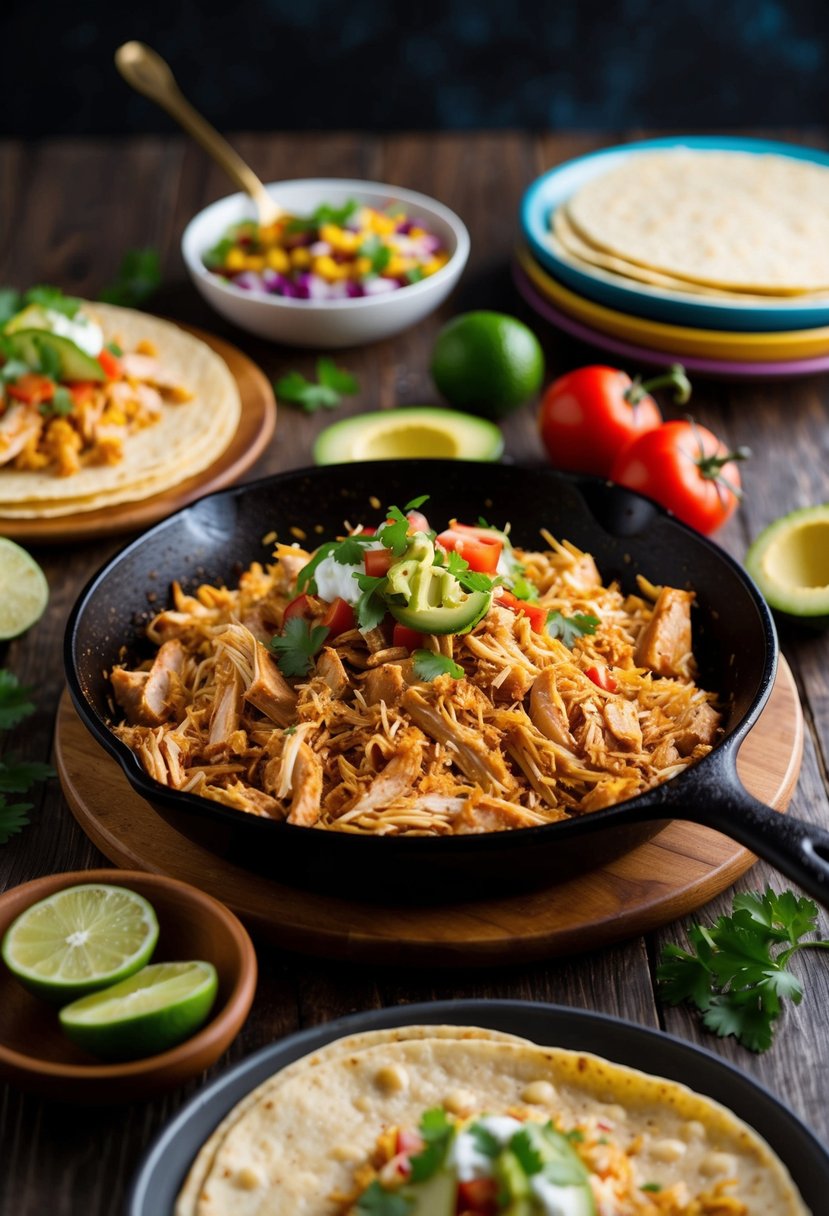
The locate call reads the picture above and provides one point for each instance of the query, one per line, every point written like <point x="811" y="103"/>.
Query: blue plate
<point x="164" y="1168"/>
<point x="557" y="185"/>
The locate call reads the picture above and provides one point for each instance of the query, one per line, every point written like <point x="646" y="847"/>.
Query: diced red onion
<point x="249" y="280"/>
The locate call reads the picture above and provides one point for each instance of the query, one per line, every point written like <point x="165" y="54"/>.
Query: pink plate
<point x="719" y="368"/>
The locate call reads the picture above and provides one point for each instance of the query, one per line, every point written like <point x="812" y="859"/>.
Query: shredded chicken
<point x="362" y="744"/>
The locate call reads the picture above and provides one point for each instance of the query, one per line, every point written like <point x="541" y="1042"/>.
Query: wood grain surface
<point x="681" y="868"/>
<point x="69" y="210"/>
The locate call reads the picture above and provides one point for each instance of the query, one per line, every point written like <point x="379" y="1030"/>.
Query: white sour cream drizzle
<point x="467" y="1159"/>
<point x="557" y="1200"/>
<point x="333" y="579"/>
<point x="79" y="329"/>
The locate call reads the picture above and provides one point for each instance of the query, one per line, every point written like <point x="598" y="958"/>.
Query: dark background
<point x="363" y="64"/>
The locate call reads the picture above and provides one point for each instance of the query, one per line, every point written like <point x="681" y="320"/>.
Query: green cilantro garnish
<point x="522" y="588"/>
<point x="324" y="214"/>
<point x="377" y="252"/>
<point x="333" y="384"/>
<point x="437" y="1131"/>
<point x="395" y="532"/>
<point x="48" y="358"/>
<point x="416" y="503"/>
<point x="653" y="1187"/>
<point x="60" y="405"/>
<point x="428" y="666"/>
<point x="138" y="278"/>
<point x="414" y="275"/>
<point x="458" y="567"/>
<point x="216" y="257"/>
<point x="11" y="302"/>
<point x="371" y="607"/>
<point x="568" y="628"/>
<point x="375" y="1201"/>
<point x="114" y="349"/>
<point x="297" y="645"/>
<point x="350" y="552"/>
<point x="732" y="974"/>
<point x="523" y="1146"/>
<point x="53" y="299"/>
<point x="305" y="578"/>
<point x="485" y="1142"/>
<point x="16" y="776"/>
<point x="575" y="1136"/>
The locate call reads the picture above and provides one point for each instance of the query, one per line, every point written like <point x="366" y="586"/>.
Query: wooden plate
<point x="674" y="873"/>
<point x="254" y="432"/>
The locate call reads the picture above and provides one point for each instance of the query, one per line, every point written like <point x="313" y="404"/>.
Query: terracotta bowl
<point x="34" y="1052"/>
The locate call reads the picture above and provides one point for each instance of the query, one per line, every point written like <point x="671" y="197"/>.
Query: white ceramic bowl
<point x="325" y="323"/>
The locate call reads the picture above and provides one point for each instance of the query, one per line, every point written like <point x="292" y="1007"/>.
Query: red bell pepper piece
<point x="110" y="364"/>
<point x="338" y="617"/>
<point x="32" y="388"/>
<point x="601" y="677"/>
<point x="537" y="615"/>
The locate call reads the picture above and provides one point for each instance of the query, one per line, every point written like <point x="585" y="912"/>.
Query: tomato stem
<point x="674" y="377"/>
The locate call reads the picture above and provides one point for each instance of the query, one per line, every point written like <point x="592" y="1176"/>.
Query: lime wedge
<point x="24" y="592"/>
<point x="79" y="940"/>
<point x="145" y="1014"/>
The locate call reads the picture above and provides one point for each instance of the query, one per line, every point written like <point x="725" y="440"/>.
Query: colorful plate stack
<point x="710" y="251"/>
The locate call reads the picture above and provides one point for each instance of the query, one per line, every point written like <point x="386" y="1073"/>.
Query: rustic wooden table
<point x="69" y="210"/>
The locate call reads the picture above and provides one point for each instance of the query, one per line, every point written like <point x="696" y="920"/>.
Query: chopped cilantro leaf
<point x="575" y="1136"/>
<point x="376" y="1201"/>
<point x="395" y="532"/>
<point x="11" y="301"/>
<point x="14" y="700"/>
<point x="428" y="666"/>
<point x="416" y="503"/>
<point x="349" y="552"/>
<point x="324" y="214"/>
<point x="16" y="776"/>
<point x="653" y="1187"/>
<point x="138" y="278"/>
<point x="336" y="378"/>
<point x="568" y="628"/>
<point x="523" y="589"/>
<point x="371" y="607"/>
<point x="305" y="578"/>
<point x="470" y="580"/>
<point x="333" y="384"/>
<point x="377" y="252"/>
<point x="525" y="1149"/>
<point x="437" y="1131"/>
<point x="414" y="275"/>
<point x="60" y="405"/>
<point x="54" y="299"/>
<point x="296" y="646"/>
<point x="216" y="257"/>
<point x="485" y="1142"/>
<point x="114" y="349"/>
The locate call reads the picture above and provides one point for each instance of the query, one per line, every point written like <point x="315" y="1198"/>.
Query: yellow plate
<point x="678" y="339"/>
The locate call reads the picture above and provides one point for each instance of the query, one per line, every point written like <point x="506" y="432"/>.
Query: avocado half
<point x="407" y="433"/>
<point x="789" y="561"/>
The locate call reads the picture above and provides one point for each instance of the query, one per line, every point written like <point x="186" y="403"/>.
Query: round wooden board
<point x="679" y="870"/>
<point x="253" y="434"/>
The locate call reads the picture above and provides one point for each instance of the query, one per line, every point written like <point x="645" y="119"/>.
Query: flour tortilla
<point x="730" y="220"/>
<point x="187" y="1202"/>
<point x="296" y="1146"/>
<point x="186" y="440"/>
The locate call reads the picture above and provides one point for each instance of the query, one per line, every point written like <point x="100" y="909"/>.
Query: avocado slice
<point x="437" y="1196"/>
<point x="458" y="618"/>
<point x="407" y="433"/>
<point x="75" y="364"/>
<point x="789" y="562"/>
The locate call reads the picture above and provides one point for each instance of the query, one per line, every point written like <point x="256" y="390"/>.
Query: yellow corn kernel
<point x="340" y="239"/>
<point x="363" y="266"/>
<point x="179" y="394"/>
<point x="235" y="260"/>
<point x="398" y="266"/>
<point x="434" y="264"/>
<point x="414" y="233"/>
<point x="146" y="347"/>
<point x="278" y="260"/>
<point x="383" y="225"/>
<point x="301" y="258"/>
<point x="328" y="269"/>
<point x="255" y="261"/>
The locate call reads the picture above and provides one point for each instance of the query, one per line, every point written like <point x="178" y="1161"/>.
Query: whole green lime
<point x="488" y="363"/>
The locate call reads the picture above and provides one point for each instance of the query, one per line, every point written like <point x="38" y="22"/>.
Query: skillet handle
<point x="717" y="798"/>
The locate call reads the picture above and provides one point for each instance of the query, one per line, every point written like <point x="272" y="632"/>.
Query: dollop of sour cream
<point x="464" y="1155"/>
<point x="81" y="330"/>
<point x="335" y="580"/>
<point x="557" y="1200"/>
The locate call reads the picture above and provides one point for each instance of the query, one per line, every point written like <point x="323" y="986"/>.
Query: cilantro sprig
<point x="324" y="214"/>
<point x="370" y="607"/>
<point x="12" y="301"/>
<point x="458" y="567"/>
<point x="568" y="628"/>
<point x="734" y="973"/>
<point x="137" y="279"/>
<point x="377" y="252"/>
<point x="437" y="1131"/>
<point x="428" y="666"/>
<point x="297" y="645"/>
<point x="333" y="383"/>
<point x="16" y="776"/>
<point x="377" y="1201"/>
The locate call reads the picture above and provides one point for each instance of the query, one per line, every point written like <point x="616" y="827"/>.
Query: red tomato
<point x="338" y="617"/>
<point x="588" y="415"/>
<point x="478" y="1197"/>
<point x="378" y="562"/>
<point x="32" y="388"/>
<point x="110" y="364"/>
<point x="409" y="1141"/>
<point x="602" y="678"/>
<point x="303" y="606"/>
<point x="536" y="614"/>
<point x="480" y="547"/>
<point x="686" y="469"/>
<point x="82" y="391"/>
<point x="404" y="636"/>
<point x="417" y="521"/>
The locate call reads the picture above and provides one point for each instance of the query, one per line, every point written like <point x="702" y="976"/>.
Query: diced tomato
<point x="481" y="549"/>
<point x="404" y="636"/>
<point x="537" y="615"/>
<point x="417" y="521"/>
<point x="409" y="1141"/>
<point x="378" y="562"/>
<point x="602" y="678"/>
<point x="368" y="532"/>
<point x="303" y="606"/>
<point x="478" y="1197"/>
<point x="110" y="364"/>
<point x="32" y="388"/>
<point x="338" y="618"/>
<point x="81" y="391"/>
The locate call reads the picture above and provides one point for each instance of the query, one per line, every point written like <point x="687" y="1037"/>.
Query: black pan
<point x="215" y="539"/>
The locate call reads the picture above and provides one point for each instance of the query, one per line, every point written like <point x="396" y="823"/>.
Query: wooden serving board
<point x="253" y="434"/>
<point x="674" y="873"/>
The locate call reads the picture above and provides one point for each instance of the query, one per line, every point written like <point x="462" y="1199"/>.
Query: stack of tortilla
<point x="295" y="1142"/>
<point x="728" y="225"/>
<point x="187" y="439"/>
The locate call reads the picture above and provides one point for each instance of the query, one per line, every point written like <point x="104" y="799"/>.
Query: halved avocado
<point x="789" y="561"/>
<point x="406" y="433"/>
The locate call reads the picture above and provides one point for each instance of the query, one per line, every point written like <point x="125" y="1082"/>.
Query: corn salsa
<point x="337" y="253"/>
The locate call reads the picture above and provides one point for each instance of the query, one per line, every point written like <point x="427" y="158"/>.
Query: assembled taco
<point x="441" y="1127"/>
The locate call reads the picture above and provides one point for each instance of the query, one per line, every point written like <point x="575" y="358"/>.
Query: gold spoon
<point x="148" y="73"/>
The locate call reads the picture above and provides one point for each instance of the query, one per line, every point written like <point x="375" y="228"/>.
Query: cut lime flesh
<point x="150" y="1012"/>
<point x="80" y="940"/>
<point x="25" y="592"/>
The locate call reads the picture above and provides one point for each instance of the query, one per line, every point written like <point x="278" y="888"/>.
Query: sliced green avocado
<point x="789" y="561"/>
<point x="459" y="618"/>
<point x="407" y="433"/>
<point x="75" y="364"/>
<point x="437" y="1196"/>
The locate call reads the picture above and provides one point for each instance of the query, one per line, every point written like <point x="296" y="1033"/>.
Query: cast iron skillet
<point x="216" y="538"/>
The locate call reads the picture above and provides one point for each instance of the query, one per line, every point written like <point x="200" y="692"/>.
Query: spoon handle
<point x="149" y="74"/>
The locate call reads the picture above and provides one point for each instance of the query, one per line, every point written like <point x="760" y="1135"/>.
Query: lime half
<point x="79" y="940"/>
<point x="24" y="592"/>
<point x="145" y="1014"/>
